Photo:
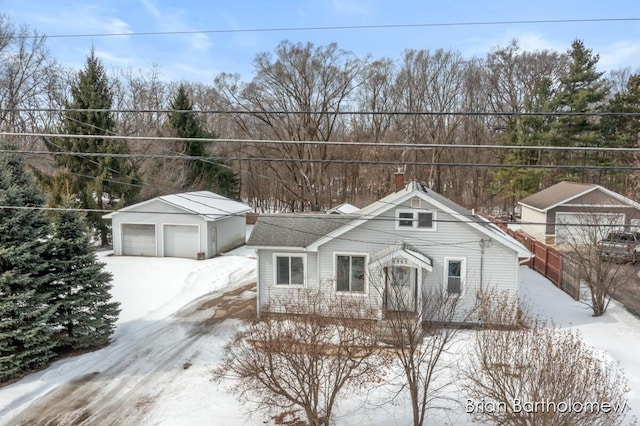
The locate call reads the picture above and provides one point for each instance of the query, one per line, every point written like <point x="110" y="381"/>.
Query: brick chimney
<point x="399" y="180"/>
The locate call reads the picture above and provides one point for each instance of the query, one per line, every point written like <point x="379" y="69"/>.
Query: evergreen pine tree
<point x="202" y="174"/>
<point x="97" y="182"/>
<point x="518" y="183"/>
<point x="85" y="316"/>
<point x="621" y="131"/>
<point x="581" y="90"/>
<point x="26" y="340"/>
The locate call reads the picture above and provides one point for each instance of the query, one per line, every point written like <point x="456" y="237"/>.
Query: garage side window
<point x="289" y="270"/>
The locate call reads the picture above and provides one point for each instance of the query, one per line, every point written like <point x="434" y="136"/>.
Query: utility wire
<point x="344" y="27"/>
<point x="392" y="113"/>
<point x="397" y="145"/>
<point x="329" y="161"/>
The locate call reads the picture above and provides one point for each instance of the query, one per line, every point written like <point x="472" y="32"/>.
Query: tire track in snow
<point x="125" y="392"/>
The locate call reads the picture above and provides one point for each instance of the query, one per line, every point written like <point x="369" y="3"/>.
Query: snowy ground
<point x="156" y="370"/>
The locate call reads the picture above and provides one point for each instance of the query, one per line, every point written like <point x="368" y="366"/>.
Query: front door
<point x="400" y="288"/>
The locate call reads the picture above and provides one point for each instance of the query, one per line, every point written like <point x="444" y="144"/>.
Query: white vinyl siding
<point x="534" y="223"/>
<point x="229" y="232"/>
<point x="453" y="239"/>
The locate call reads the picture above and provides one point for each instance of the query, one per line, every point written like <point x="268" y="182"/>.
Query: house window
<point x="417" y="219"/>
<point x="350" y="271"/>
<point x="289" y="270"/>
<point x="455" y="275"/>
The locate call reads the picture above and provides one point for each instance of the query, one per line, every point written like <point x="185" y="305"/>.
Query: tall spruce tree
<point x="85" y="315"/>
<point x="621" y="131"/>
<point x="582" y="90"/>
<point x="202" y="173"/>
<point x="517" y="183"/>
<point x="26" y="340"/>
<point x="97" y="182"/>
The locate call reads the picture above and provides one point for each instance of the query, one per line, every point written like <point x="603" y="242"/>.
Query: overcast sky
<point x="200" y="57"/>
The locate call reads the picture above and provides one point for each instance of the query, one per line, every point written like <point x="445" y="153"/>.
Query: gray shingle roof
<point x="294" y="230"/>
<point x="556" y="194"/>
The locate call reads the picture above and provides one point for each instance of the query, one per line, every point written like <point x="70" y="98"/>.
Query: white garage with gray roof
<point x="194" y="225"/>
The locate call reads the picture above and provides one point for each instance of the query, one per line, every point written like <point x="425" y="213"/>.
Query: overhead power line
<point x="289" y="112"/>
<point x="326" y="161"/>
<point x="343" y="27"/>
<point x="397" y="145"/>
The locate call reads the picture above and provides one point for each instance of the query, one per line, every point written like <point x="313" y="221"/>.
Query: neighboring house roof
<point x="344" y="208"/>
<point x="209" y="205"/>
<point x="564" y="192"/>
<point x="310" y="233"/>
<point x="294" y="231"/>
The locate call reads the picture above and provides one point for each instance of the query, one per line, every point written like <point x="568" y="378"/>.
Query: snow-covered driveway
<point x="155" y="357"/>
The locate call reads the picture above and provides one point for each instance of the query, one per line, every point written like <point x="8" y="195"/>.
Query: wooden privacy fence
<point x="558" y="268"/>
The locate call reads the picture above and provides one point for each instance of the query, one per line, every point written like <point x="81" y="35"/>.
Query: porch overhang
<point x="401" y="254"/>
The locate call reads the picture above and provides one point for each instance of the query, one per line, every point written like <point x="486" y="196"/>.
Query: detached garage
<point x="570" y="212"/>
<point x="193" y="225"/>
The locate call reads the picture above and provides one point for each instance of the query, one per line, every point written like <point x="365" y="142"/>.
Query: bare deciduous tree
<point x="30" y="80"/>
<point x="310" y="84"/>
<point x="540" y="375"/>
<point x="305" y="358"/>
<point x="422" y="330"/>
<point x="603" y="277"/>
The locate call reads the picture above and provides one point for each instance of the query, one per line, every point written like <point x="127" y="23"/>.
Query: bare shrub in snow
<point x="306" y="357"/>
<point x="540" y="375"/>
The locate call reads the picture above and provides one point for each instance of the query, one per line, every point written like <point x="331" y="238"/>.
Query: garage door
<point x="138" y="239"/>
<point x="585" y="228"/>
<point x="181" y="241"/>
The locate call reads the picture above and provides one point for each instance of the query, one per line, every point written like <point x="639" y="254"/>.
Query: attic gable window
<point x="415" y="219"/>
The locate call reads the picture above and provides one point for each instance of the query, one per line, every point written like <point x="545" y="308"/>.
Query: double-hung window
<point x="415" y="219"/>
<point x="350" y="273"/>
<point x="289" y="270"/>
<point x="454" y="269"/>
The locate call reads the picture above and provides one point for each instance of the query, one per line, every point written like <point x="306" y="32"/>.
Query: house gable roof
<point x="309" y="232"/>
<point x="563" y="192"/>
<point x="414" y="189"/>
<point x="207" y="204"/>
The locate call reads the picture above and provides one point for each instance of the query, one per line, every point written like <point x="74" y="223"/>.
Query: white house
<point x="564" y="212"/>
<point x="416" y="235"/>
<point x="194" y="225"/>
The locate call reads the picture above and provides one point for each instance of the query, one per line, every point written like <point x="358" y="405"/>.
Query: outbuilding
<point x="570" y="212"/>
<point x="196" y="225"/>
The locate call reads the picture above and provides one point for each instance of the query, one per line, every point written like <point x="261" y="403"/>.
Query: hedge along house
<point x="195" y="225"/>
<point x="420" y="238"/>
<point x="564" y="213"/>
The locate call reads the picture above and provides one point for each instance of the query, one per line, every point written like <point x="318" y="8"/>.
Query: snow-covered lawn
<point x="156" y="370"/>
